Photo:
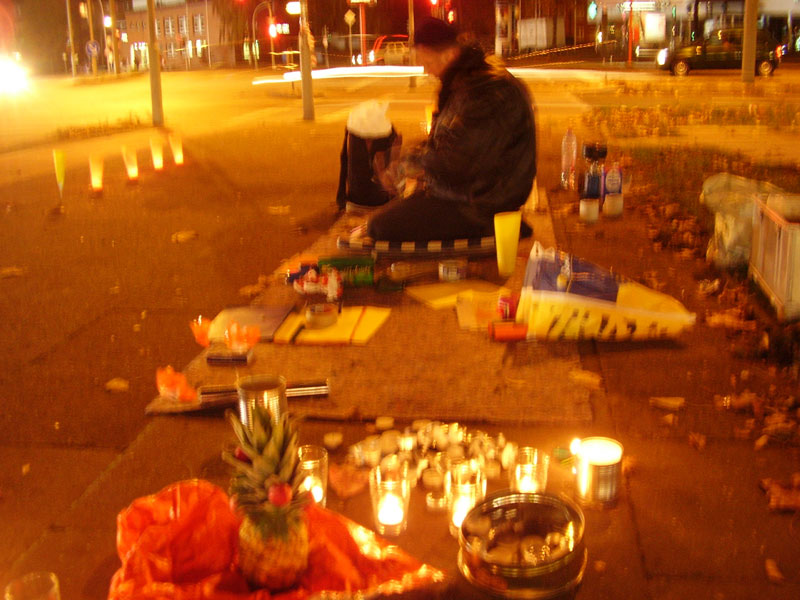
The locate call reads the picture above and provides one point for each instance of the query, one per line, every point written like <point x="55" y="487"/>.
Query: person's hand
<point x="387" y="170"/>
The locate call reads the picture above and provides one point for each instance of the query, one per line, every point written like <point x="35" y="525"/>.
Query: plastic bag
<point x="731" y="198"/>
<point x="568" y="298"/>
<point x="182" y="543"/>
<point x="368" y="120"/>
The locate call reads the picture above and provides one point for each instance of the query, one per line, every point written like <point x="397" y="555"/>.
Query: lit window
<point x="169" y="26"/>
<point x="182" y="25"/>
<point x="171" y="49"/>
<point x="285" y="28"/>
<point x="199" y="47"/>
<point x="199" y="23"/>
<point x="158" y="27"/>
<point x="189" y="48"/>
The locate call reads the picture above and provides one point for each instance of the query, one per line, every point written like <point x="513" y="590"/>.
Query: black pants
<point x="420" y="218"/>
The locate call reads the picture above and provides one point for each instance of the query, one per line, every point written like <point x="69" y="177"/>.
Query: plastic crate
<point x="775" y="259"/>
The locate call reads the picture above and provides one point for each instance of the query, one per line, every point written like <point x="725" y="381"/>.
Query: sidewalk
<point x="690" y="522"/>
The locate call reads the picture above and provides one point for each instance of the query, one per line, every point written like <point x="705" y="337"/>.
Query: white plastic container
<point x="589" y="210"/>
<point x="775" y="257"/>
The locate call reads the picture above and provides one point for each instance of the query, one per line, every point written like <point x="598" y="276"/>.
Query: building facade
<point x="187" y="34"/>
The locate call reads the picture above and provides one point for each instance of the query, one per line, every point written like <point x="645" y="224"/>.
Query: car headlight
<point x="661" y="57"/>
<point x="13" y="77"/>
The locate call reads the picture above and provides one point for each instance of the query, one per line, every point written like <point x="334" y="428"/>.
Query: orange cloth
<point x="181" y="543"/>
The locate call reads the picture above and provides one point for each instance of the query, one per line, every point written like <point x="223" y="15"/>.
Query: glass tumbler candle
<point x="528" y="473"/>
<point x="312" y="472"/>
<point x="390" y="490"/>
<point x="268" y="391"/>
<point x="465" y="486"/>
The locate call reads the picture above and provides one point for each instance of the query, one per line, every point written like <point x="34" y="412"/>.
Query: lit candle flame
<point x="157" y="151"/>
<point x="176" y="144"/>
<point x="390" y="510"/>
<point x="131" y="163"/>
<point x="461" y="506"/>
<point x="96" y="173"/>
<point x="314" y="485"/>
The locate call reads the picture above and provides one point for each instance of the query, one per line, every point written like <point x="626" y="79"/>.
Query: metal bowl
<point x="523" y="545"/>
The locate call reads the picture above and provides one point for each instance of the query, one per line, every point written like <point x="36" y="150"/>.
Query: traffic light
<point x="82" y="10"/>
<point x="591" y="10"/>
<point x="273" y="28"/>
<point x="434" y="2"/>
<point x="451" y="16"/>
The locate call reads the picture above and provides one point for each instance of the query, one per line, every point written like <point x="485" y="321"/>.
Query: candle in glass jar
<point x="390" y="510"/>
<point x="461" y="506"/>
<point x="314" y="485"/>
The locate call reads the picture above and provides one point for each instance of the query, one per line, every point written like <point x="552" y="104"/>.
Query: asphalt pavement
<point x="691" y="520"/>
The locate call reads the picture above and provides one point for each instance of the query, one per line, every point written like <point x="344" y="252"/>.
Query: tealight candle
<point x="131" y="163"/>
<point x="598" y="469"/>
<point x="176" y="144"/>
<point x="528" y="473"/>
<point x="200" y="328"/>
<point x="390" y="491"/>
<point x="96" y="173"/>
<point x="157" y="152"/>
<point x="313" y="485"/>
<point x="465" y="486"/>
<point x="313" y="468"/>
<point x="390" y="510"/>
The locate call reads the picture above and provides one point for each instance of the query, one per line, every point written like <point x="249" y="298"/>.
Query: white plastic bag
<point x="368" y="120"/>
<point x="732" y="200"/>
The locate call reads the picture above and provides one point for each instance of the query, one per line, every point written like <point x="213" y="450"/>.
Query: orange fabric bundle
<point x="181" y="544"/>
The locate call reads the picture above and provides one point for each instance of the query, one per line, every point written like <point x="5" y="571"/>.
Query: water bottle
<point x="569" y="153"/>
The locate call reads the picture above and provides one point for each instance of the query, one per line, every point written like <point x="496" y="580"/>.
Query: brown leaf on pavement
<point x="697" y="441"/>
<point x="9" y="272"/>
<point x="773" y="572"/>
<point x="186" y="235"/>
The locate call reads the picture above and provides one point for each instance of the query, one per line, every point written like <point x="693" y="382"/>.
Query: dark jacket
<point x="481" y="152"/>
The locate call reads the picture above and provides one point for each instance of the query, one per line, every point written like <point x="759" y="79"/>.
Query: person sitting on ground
<point x="480" y="155"/>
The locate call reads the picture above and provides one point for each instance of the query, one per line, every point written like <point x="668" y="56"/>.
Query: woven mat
<point x="420" y="364"/>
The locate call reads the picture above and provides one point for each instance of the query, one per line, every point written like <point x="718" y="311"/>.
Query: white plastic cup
<point x="506" y="239"/>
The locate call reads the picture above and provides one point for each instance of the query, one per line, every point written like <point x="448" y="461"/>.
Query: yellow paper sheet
<point x="355" y="325"/>
<point x="445" y="295"/>
<point x="371" y="321"/>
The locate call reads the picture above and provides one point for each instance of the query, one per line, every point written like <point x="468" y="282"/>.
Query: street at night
<point x="98" y="288"/>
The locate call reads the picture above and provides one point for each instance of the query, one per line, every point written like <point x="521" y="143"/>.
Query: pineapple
<point x="273" y="538"/>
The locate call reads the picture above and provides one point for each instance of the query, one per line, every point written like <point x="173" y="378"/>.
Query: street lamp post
<point x="412" y="81"/>
<point x="112" y="9"/>
<point x="72" y="52"/>
<point x="305" y="64"/>
<point x="91" y="36"/>
<point x="268" y="4"/>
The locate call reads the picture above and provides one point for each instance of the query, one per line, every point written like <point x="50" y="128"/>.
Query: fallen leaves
<point x="118" y="385"/>
<point x="179" y="237"/>
<point x="587" y="379"/>
<point x="773" y="572"/>
<point x="731" y="319"/>
<point x="9" y="272"/>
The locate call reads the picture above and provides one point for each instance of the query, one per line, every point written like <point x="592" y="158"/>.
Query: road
<point x="95" y="288"/>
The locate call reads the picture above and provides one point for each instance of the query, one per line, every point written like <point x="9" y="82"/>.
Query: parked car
<point x="722" y="49"/>
<point x="390" y="50"/>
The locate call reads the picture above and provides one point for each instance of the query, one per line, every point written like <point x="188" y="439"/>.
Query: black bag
<point x="358" y="182"/>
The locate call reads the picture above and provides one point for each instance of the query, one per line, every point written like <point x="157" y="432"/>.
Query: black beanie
<point x="435" y="33"/>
